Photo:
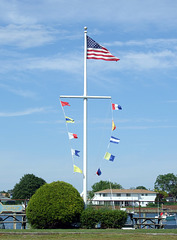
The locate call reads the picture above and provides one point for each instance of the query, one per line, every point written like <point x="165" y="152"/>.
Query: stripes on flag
<point x="69" y="120"/>
<point x="116" y="107"/>
<point x="96" y="51"/>
<point x="114" y="140"/>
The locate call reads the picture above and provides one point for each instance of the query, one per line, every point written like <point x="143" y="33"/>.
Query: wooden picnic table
<point x="151" y="222"/>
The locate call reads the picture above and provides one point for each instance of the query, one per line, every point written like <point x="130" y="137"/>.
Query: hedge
<point x="103" y="218"/>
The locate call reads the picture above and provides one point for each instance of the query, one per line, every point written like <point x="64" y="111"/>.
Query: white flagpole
<point x="85" y="122"/>
<point x="85" y="98"/>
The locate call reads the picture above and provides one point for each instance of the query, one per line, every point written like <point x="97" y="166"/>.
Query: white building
<point x="124" y="197"/>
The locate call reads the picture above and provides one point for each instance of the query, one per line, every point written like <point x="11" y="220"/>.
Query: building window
<point x="117" y="203"/>
<point x="118" y="194"/>
<point x="128" y="194"/>
<point x="104" y="194"/>
<point x="142" y="194"/>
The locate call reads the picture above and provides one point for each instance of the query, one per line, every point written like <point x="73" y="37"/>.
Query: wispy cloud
<point x="25" y="23"/>
<point x="147" y="43"/>
<point x="24" y="112"/>
<point x="24" y="36"/>
<point x="19" y="92"/>
<point x="149" y="60"/>
<point x="62" y="62"/>
<point x="73" y="62"/>
<point x="136" y="13"/>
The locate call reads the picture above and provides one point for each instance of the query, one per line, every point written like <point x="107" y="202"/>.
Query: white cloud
<point x="19" y="92"/>
<point x="136" y="13"/>
<point x="149" y="60"/>
<point x="24" y="36"/>
<point x="147" y="43"/>
<point x="72" y="63"/>
<point x="24" y="112"/>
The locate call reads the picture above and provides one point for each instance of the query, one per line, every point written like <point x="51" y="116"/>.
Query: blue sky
<point x="41" y="58"/>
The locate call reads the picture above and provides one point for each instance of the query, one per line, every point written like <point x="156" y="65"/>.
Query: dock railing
<point x="13" y="212"/>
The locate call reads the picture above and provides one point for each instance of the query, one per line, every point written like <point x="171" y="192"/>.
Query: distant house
<point x="124" y="197"/>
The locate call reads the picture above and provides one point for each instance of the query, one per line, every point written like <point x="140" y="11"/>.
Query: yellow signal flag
<point x="77" y="169"/>
<point x="107" y="156"/>
<point x="69" y="120"/>
<point x="113" y="126"/>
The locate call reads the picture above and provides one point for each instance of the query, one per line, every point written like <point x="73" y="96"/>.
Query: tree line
<point x="165" y="185"/>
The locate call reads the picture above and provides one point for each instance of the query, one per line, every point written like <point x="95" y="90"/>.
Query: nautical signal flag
<point x="114" y="140"/>
<point x="69" y="120"/>
<point x="72" y="135"/>
<point x="116" y="107"/>
<point x="64" y="104"/>
<point x="109" y="157"/>
<point x="75" y="152"/>
<point x="96" y="51"/>
<point x="98" y="172"/>
<point x="113" y="126"/>
<point x="77" y="169"/>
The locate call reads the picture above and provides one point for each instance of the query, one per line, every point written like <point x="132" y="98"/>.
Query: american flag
<point x="96" y="51"/>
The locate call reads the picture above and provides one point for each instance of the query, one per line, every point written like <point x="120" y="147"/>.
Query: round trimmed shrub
<point x="55" y="205"/>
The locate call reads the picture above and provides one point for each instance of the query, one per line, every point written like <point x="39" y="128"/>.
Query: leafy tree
<point x="102" y="185"/>
<point x="161" y="196"/>
<point x="55" y="205"/>
<point x="27" y="186"/>
<point x="167" y="183"/>
<point x="141" y="187"/>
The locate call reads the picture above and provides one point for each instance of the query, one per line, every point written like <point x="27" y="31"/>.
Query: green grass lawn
<point x="99" y="234"/>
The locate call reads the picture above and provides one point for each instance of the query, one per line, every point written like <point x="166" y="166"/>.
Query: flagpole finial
<point x="85" y="28"/>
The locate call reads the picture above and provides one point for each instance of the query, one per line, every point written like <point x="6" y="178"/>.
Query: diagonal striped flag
<point x="69" y="120"/>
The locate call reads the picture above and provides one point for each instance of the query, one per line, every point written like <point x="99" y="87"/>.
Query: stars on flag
<point x="96" y="51"/>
